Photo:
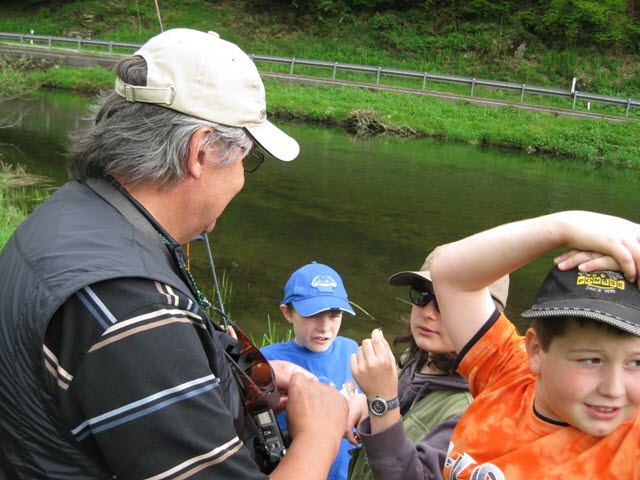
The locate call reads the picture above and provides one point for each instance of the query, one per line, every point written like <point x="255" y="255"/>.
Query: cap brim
<point x="608" y="312"/>
<point x="411" y="278"/>
<point x="274" y="141"/>
<point x="314" y="305"/>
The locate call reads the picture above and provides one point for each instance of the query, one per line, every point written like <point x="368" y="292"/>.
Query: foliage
<point x="85" y="79"/>
<point x="20" y="193"/>
<point x="13" y="82"/>
<point x="582" y="22"/>
<point x="272" y="335"/>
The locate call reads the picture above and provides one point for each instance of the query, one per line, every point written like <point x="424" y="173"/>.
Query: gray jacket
<point x="416" y="447"/>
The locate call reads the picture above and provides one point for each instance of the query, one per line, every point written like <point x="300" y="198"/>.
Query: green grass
<point x="408" y="40"/>
<point x="20" y="193"/>
<point x="272" y="335"/>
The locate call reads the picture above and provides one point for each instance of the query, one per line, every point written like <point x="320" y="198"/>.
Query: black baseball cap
<point x="603" y="295"/>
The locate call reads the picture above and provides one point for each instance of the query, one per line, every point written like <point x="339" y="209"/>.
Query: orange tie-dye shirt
<point x="500" y="436"/>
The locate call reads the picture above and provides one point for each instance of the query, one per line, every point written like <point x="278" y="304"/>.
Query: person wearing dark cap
<point x="417" y="409"/>
<point x="562" y="401"/>
<point x="314" y="301"/>
<point x="110" y="365"/>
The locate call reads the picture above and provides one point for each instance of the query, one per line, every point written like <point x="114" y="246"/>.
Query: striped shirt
<point x="141" y="384"/>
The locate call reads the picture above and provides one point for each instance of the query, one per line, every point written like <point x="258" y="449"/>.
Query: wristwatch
<point x="379" y="406"/>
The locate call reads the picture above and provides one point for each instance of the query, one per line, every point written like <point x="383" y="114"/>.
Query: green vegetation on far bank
<point x="495" y="40"/>
<point x="20" y="193"/>
<point x="601" y="142"/>
<point x="537" y="42"/>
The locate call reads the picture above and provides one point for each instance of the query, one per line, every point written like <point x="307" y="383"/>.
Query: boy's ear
<point x="285" y="312"/>
<point x="534" y="350"/>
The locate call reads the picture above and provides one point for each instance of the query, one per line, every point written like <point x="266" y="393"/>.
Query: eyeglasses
<point x="256" y="376"/>
<point x="422" y="299"/>
<point x="252" y="160"/>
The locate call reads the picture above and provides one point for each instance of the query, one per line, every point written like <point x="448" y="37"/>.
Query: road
<point x="83" y="59"/>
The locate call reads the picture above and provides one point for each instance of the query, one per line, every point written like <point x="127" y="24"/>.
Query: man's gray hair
<point x="142" y="141"/>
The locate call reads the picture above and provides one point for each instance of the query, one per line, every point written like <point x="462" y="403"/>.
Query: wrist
<point x="379" y="406"/>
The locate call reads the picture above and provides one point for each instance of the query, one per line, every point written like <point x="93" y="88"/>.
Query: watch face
<point x="378" y="406"/>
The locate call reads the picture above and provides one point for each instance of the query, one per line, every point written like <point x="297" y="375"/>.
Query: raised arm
<point x="461" y="271"/>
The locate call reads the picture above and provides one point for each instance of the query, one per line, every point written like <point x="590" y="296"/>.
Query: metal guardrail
<point x="379" y="72"/>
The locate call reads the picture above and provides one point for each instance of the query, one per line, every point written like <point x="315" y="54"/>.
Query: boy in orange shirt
<point x="561" y="402"/>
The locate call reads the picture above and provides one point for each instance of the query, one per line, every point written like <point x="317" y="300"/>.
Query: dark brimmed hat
<point x="499" y="290"/>
<point x="602" y="295"/>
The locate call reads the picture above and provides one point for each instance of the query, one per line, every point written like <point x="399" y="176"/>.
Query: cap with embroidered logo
<point x="316" y="288"/>
<point x="201" y="75"/>
<point x="601" y="295"/>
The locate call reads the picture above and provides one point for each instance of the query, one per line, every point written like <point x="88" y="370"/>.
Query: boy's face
<point x="589" y="377"/>
<point x="316" y="332"/>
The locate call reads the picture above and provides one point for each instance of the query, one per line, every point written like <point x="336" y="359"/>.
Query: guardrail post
<point x="424" y="81"/>
<point x="110" y="46"/>
<point x="378" y="75"/>
<point x="626" y="115"/>
<point x="522" y="94"/>
<point x="335" y="67"/>
<point x="575" y="98"/>
<point x="79" y="43"/>
<point x="293" y="61"/>
<point x="473" y="85"/>
<point x="49" y="43"/>
<point x="21" y="40"/>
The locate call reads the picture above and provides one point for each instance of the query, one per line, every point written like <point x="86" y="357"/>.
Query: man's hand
<point x="315" y="406"/>
<point x="283" y="371"/>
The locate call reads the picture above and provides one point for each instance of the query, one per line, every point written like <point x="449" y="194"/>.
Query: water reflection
<point x="367" y="208"/>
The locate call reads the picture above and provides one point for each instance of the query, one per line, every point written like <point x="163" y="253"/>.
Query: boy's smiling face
<point x="316" y="332"/>
<point x="589" y="377"/>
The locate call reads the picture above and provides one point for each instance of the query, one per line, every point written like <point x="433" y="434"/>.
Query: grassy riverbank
<point x="20" y="193"/>
<point x="405" y="39"/>
<point x="600" y="142"/>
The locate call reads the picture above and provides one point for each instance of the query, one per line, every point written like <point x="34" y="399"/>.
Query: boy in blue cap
<point x="314" y="299"/>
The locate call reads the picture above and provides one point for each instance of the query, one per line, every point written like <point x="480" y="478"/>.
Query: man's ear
<point x="534" y="349"/>
<point x="197" y="156"/>
<point x="285" y="311"/>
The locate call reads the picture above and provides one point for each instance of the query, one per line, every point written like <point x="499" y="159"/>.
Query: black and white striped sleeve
<point x="132" y="366"/>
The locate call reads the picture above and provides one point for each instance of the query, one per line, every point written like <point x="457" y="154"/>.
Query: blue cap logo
<point x="324" y="283"/>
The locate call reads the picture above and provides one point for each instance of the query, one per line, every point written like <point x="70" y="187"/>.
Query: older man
<point x="109" y="366"/>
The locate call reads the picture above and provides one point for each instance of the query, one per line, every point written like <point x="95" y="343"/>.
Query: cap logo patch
<point x="602" y="281"/>
<point x="324" y="283"/>
<point x="263" y="114"/>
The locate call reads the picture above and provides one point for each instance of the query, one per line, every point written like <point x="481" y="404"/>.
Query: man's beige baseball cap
<point x="201" y="75"/>
<point x="499" y="289"/>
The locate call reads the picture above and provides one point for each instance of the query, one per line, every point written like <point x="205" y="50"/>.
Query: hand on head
<point x="601" y="242"/>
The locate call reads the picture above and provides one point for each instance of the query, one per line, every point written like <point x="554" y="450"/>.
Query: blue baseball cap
<point x="316" y="288"/>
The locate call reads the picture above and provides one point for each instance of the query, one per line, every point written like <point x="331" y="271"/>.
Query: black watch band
<point x="379" y="406"/>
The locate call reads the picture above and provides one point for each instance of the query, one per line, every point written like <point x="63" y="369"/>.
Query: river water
<point x="368" y="208"/>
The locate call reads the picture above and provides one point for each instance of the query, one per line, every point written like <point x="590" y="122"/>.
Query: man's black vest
<point x="72" y="240"/>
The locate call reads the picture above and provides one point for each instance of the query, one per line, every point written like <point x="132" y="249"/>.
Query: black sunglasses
<point x="422" y="299"/>
<point x="252" y="160"/>
<point x="256" y="376"/>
